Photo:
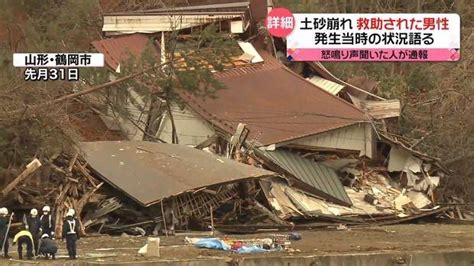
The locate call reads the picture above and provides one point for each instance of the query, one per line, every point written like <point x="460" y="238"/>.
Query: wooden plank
<point x="270" y="214"/>
<point x="207" y="142"/>
<point x="73" y="161"/>
<point x="87" y="176"/>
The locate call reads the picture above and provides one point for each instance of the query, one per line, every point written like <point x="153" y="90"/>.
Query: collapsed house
<point x="319" y="133"/>
<point x="283" y="145"/>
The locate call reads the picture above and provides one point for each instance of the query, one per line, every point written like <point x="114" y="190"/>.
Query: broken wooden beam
<point x="270" y="214"/>
<point x="30" y="168"/>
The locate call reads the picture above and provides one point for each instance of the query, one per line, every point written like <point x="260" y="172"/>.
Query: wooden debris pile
<point x="202" y="209"/>
<point x="61" y="183"/>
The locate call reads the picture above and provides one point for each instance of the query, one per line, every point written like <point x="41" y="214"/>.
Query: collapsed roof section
<point x="316" y="177"/>
<point x="276" y="104"/>
<point x="149" y="172"/>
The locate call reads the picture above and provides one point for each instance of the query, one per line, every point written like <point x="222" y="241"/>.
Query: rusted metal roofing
<point x="149" y="171"/>
<point x="276" y="104"/>
<point x="117" y="50"/>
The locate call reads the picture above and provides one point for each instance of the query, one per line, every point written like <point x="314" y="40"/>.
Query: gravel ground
<point x="386" y="239"/>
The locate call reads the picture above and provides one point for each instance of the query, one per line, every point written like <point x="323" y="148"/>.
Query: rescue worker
<point x="24" y="237"/>
<point x="4" y="221"/>
<point x="47" y="247"/>
<point x="71" y="233"/>
<point x="32" y="223"/>
<point x="47" y="223"/>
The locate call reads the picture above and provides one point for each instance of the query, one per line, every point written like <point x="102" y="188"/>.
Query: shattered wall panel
<point x="402" y="160"/>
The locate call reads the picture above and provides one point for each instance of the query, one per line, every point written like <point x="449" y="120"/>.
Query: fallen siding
<point x="356" y="137"/>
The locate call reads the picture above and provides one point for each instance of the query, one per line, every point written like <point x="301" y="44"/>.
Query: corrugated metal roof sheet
<point x="117" y="50"/>
<point x="149" y="171"/>
<point x="327" y="85"/>
<point x="276" y="104"/>
<point x="159" y="22"/>
<point x="319" y="176"/>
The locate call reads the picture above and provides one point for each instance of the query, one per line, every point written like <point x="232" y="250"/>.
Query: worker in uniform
<point x="4" y="221"/>
<point x="71" y="233"/>
<point x="47" y="247"/>
<point x="47" y="223"/>
<point x="32" y="223"/>
<point x="24" y="237"/>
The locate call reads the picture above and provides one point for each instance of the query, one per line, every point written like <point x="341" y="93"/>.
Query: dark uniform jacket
<point x="48" y="246"/>
<point x="47" y="224"/>
<point x="3" y="228"/>
<point x="33" y="224"/>
<point x="71" y="226"/>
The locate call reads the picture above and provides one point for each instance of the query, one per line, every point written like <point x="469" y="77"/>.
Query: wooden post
<point x="212" y="221"/>
<point x="164" y="219"/>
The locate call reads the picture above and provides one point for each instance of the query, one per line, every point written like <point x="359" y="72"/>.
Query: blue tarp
<point x="253" y="249"/>
<point x="212" y="243"/>
<point x="216" y="243"/>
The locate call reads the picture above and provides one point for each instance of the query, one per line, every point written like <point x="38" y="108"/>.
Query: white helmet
<point x="3" y="211"/>
<point x="70" y="212"/>
<point x="46" y="208"/>
<point x="44" y="236"/>
<point x="34" y="212"/>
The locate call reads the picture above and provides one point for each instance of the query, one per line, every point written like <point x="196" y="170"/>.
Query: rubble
<point x="273" y="151"/>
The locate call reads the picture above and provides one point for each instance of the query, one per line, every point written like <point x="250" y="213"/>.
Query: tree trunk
<point x="154" y="112"/>
<point x="174" y="135"/>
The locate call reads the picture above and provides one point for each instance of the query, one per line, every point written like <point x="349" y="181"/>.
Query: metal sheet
<point x="327" y="85"/>
<point x="276" y="104"/>
<point x="249" y="49"/>
<point x="148" y="171"/>
<point x="319" y="176"/>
